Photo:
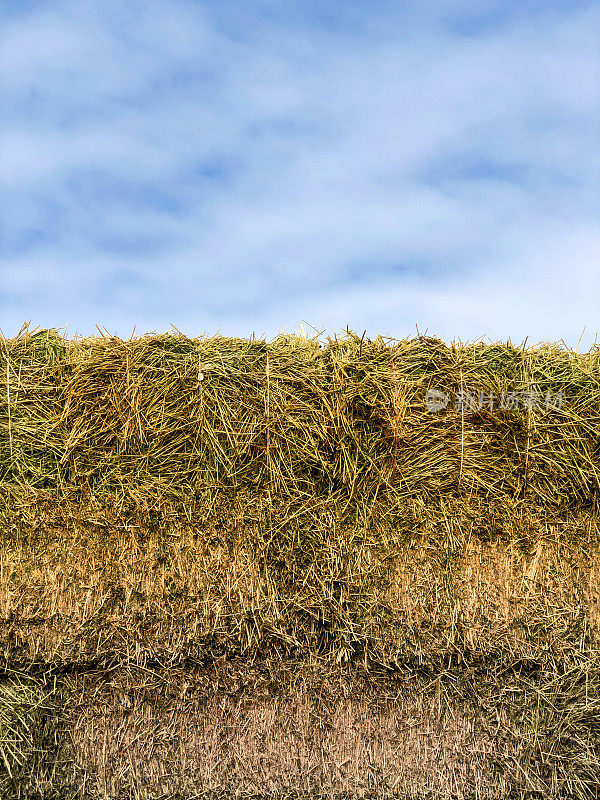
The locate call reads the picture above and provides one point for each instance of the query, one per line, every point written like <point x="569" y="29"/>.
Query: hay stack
<point x="289" y="526"/>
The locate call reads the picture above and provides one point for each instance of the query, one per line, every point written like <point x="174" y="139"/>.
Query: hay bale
<point x="174" y="510"/>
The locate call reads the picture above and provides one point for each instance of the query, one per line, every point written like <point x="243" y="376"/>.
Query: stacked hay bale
<point x="204" y="539"/>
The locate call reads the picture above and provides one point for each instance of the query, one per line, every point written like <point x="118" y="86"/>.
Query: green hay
<point x="32" y="738"/>
<point x="295" y="418"/>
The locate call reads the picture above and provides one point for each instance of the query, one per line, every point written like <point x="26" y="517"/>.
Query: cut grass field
<point x="233" y="568"/>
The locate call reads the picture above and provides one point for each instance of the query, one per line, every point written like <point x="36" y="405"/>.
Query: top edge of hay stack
<point x="294" y="418"/>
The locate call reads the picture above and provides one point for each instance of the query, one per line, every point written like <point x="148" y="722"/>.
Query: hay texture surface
<point x="284" y="569"/>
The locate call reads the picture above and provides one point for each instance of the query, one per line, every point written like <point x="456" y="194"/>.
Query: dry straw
<point x="173" y="504"/>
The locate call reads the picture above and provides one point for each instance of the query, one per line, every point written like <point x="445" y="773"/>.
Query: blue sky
<point x="249" y="166"/>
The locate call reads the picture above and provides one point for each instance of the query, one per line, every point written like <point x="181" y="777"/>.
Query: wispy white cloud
<point x="245" y="169"/>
